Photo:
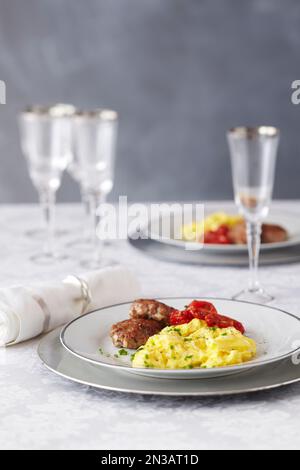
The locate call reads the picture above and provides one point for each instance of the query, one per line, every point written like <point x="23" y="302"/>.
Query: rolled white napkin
<point x="27" y="311"/>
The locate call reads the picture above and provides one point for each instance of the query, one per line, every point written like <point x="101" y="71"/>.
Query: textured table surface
<point x="40" y="410"/>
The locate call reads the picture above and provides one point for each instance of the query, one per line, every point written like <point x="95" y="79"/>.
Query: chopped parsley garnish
<point x="171" y="346"/>
<point x="188" y="357"/>
<point x="148" y="365"/>
<point x="224" y="334"/>
<point x="177" y="331"/>
<point x="101" y="351"/>
<point x="122" y="352"/>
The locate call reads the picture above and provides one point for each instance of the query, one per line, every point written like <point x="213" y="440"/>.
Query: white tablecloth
<point x="40" y="410"/>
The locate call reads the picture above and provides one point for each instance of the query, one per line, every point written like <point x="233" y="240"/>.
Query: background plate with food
<point x="223" y="230"/>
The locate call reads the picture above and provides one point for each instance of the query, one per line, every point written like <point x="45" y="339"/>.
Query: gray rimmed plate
<point x="277" y="334"/>
<point x="173" y="254"/>
<point x="57" y="359"/>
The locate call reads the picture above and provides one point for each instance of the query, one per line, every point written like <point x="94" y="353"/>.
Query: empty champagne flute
<point x="83" y="240"/>
<point x="46" y="139"/>
<point x="94" y="152"/>
<point x="253" y="152"/>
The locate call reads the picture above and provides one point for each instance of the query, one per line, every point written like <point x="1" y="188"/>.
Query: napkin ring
<point x="86" y="294"/>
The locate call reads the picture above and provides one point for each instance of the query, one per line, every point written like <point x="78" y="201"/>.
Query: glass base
<point x="46" y="259"/>
<point x="258" y="296"/>
<point x="94" y="264"/>
<point x="39" y="233"/>
<point x="80" y="243"/>
<point x="85" y="243"/>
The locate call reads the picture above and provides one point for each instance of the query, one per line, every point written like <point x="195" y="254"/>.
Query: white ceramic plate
<point x="289" y="221"/>
<point x="276" y="333"/>
<point x="57" y="359"/>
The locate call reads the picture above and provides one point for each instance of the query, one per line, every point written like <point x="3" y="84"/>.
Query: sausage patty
<point x="273" y="234"/>
<point x="150" y="309"/>
<point x="134" y="333"/>
<point x="270" y="234"/>
<point x="237" y="234"/>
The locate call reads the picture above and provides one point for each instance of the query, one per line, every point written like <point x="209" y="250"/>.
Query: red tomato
<point x="178" y="317"/>
<point x="218" y="237"/>
<point x="220" y="321"/>
<point x="237" y="325"/>
<point x="202" y="306"/>
<point x="207" y="312"/>
<point x="212" y="319"/>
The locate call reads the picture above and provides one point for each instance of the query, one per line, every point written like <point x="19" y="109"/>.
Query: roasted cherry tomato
<point x="201" y="306"/>
<point x="207" y="312"/>
<point x="221" y="321"/>
<point x="178" y="317"/>
<point x="218" y="237"/>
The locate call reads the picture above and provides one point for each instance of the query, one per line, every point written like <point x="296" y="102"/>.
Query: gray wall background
<point x="180" y="72"/>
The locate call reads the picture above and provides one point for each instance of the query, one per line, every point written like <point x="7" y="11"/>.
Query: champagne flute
<point x="85" y="239"/>
<point x="253" y="152"/>
<point x="94" y="152"/>
<point x="46" y="139"/>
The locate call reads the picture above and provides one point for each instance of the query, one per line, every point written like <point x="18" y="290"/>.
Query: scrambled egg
<point x="195" y="230"/>
<point x="192" y="345"/>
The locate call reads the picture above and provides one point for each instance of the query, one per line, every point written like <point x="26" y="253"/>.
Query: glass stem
<point x="94" y="202"/>
<point x="88" y="227"/>
<point x="254" y="240"/>
<point x="47" y="201"/>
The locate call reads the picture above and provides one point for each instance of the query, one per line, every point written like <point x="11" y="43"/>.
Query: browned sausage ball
<point x="270" y="234"/>
<point x="134" y="333"/>
<point x="273" y="234"/>
<point x="237" y="234"/>
<point x="150" y="309"/>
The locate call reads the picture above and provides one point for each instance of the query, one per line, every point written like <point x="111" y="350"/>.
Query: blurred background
<point x="179" y="72"/>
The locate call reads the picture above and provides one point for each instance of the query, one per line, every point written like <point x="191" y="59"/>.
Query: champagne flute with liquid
<point x="253" y="152"/>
